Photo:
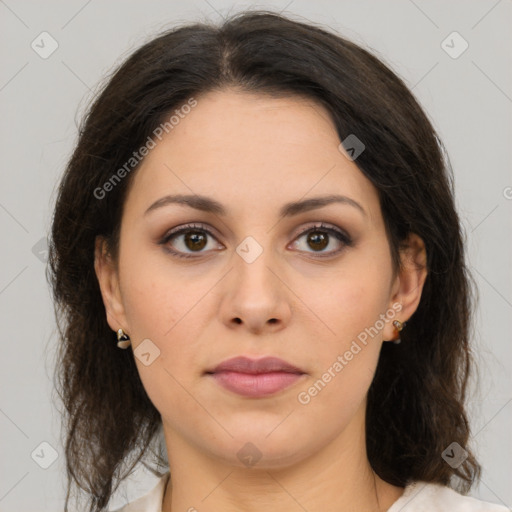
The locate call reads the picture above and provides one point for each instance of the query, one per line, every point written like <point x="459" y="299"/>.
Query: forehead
<point x="253" y="151"/>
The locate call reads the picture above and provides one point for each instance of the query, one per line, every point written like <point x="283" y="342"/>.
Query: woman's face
<point x="253" y="281"/>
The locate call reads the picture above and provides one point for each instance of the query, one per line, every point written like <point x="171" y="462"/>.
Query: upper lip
<point x="244" y="364"/>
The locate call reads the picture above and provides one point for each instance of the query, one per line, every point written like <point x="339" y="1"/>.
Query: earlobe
<point x="108" y="280"/>
<point x="410" y="281"/>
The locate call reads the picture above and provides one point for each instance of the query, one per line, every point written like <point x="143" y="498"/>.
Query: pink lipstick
<point x="255" y="377"/>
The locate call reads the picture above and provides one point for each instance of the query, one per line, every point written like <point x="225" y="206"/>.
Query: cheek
<point x="351" y="304"/>
<point x="347" y="354"/>
<point x="162" y="305"/>
<point x="155" y="296"/>
<point x="151" y="305"/>
<point x="160" y="308"/>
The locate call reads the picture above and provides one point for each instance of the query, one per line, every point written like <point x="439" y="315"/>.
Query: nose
<point x="255" y="297"/>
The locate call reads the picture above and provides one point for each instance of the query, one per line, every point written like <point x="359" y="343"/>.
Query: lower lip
<point x="256" y="385"/>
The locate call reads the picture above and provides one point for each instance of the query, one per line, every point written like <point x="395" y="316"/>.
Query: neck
<point x="336" y="478"/>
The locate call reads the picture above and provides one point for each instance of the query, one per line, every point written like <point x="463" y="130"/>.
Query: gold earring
<point x="399" y="326"/>
<point x="123" y="341"/>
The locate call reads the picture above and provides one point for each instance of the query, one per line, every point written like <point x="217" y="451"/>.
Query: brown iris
<point x="318" y="239"/>
<point x="197" y="239"/>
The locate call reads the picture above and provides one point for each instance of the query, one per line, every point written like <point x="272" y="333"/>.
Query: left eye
<point x="194" y="238"/>
<point x="318" y="238"/>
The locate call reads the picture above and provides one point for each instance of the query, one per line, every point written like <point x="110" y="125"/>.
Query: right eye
<point x="193" y="237"/>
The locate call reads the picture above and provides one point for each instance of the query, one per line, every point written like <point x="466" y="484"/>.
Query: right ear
<point x="108" y="279"/>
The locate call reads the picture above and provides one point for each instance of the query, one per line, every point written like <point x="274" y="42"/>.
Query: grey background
<point x="468" y="98"/>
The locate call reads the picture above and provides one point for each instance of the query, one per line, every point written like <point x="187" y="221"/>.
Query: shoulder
<point x="150" y="502"/>
<point x="429" y="497"/>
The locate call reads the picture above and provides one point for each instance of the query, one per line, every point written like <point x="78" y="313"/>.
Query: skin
<point x="253" y="153"/>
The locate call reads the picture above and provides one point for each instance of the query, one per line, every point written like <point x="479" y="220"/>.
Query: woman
<point x="262" y="214"/>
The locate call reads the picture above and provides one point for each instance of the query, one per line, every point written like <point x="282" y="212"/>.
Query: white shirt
<point x="417" y="497"/>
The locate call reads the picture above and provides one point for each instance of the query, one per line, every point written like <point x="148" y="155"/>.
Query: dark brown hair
<point x="416" y="402"/>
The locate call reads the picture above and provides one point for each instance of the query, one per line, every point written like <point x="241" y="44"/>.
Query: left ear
<point x="408" y="284"/>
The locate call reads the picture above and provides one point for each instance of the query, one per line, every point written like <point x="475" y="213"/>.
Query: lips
<point x="243" y="364"/>
<point x="255" y="378"/>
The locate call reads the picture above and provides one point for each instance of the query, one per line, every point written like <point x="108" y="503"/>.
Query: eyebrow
<point x="209" y="205"/>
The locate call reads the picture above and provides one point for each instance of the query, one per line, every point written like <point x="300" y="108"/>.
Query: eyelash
<point x="338" y="234"/>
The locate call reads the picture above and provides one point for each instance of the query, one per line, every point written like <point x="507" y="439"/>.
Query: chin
<point x="261" y="451"/>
